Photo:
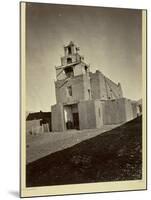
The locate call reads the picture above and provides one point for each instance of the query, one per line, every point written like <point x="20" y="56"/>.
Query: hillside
<point x="112" y="156"/>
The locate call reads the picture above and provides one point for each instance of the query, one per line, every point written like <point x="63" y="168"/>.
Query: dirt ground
<point x="44" y="144"/>
<point x="115" y="155"/>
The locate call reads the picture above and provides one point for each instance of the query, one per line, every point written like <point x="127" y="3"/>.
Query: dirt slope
<point x="112" y="156"/>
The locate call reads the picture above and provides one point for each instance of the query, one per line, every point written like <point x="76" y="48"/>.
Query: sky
<point x="109" y="39"/>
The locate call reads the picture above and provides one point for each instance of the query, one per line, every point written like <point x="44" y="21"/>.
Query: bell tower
<point x="73" y="80"/>
<point x="71" y="55"/>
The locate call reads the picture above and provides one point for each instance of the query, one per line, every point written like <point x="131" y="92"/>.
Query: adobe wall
<point x="87" y="118"/>
<point x="134" y="108"/>
<point x="78" y="70"/>
<point x="34" y="127"/>
<point x="57" y="119"/>
<point x="128" y="109"/>
<point x="90" y="114"/>
<point x="114" y="90"/>
<point x="117" y="111"/>
<point x="79" y="84"/>
<point x="114" y="111"/>
<point x="95" y="86"/>
<point x="86" y="84"/>
<point x="98" y="113"/>
<point x="77" y="90"/>
<point x="103" y="88"/>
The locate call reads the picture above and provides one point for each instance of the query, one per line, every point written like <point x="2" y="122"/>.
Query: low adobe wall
<point x="90" y="114"/>
<point x="86" y="114"/>
<point x="117" y="111"/>
<point x="33" y="127"/>
<point x="57" y="119"/>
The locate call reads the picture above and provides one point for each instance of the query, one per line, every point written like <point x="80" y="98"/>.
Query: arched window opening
<point x="69" y="60"/>
<point x="69" y="50"/>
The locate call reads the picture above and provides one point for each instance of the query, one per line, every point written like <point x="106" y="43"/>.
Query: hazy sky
<point x="109" y="39"/>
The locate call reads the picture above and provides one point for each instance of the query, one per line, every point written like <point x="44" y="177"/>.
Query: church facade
<point x="86" y="100"/>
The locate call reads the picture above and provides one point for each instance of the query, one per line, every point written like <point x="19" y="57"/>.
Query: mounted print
<point x="83" y="99"/>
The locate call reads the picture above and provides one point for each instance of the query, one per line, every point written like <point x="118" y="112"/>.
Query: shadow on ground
<point x="112" y="156"/>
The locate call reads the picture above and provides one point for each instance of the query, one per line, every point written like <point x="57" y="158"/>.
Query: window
<point x="69" y="71"/>
<point x="69" y="60"/>
<point x="86" y="68"/>
<point x="89" y="93"/>
<point x="69" y="90"/>
<point x="69" y="50"/>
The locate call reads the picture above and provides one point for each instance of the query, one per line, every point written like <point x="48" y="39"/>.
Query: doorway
<point x="76" y="120"/>
<point x="71" y="116"/>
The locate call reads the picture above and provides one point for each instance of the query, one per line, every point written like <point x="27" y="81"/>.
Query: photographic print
<point x="83" y="99"/>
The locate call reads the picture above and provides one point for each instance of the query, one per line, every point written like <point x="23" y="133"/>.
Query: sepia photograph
<point x="83" y="99"/>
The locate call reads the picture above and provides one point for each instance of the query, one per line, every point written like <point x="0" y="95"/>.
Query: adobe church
<point x="86" y="100"/>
